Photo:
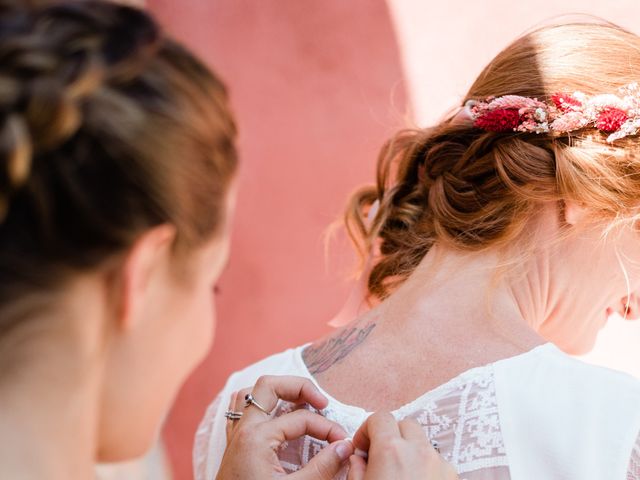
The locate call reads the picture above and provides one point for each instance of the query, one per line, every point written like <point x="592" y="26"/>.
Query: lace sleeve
<point x="204" y="436"/>
<point x="633" y="470"/>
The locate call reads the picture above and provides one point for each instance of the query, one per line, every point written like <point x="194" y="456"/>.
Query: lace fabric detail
<point x="633" y="471"/>
<point x="462" y="417"/>
<point x="471" y="427"/>
<point x="466" y="424"/>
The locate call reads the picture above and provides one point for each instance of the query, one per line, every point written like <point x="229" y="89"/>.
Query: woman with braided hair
<point x="117" y="160"/>
<point x="497" y="242"/>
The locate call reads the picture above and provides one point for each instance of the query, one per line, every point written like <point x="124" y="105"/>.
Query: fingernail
<point x="361" y="453"/>
<point x="343" y="450"/>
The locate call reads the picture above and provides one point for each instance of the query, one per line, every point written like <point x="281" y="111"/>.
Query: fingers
<point x="240" y="402"/>
<point x="303" y="422"/>
<point x="396" y="450"/>
<point x="449" y="472"/>
<point x="380" y="425"/>
<point x="357" y="467"/>
<point x="230" y="423"/>
<point x="269" y="389"/>
<point x="411" y="430"/>
<point x="269" y="435"/>
<point x="413" y="433"/>
<point x="326" y="464"/>
<point x="236" y="404"/>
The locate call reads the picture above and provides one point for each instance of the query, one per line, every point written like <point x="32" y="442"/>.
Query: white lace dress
<point x="540" y="415"/>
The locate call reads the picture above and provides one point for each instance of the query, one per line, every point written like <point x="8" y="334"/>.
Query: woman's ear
<point x="630" y="307"/>
<point x="145" y="262"/>
<point x="573" y="212"/>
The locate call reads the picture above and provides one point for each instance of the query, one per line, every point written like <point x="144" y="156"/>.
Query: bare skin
<point x="378" y="370"/>
<point x="452" y="314"/>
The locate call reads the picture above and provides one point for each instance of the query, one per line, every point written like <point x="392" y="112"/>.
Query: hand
<point x="254" y="439"/>
<point x="398" y="450"/>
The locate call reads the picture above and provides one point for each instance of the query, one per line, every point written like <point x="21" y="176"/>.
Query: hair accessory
<point x="617" y="115"/>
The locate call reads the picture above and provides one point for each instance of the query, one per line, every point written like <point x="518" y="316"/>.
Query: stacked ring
<point x="231" y="415"/>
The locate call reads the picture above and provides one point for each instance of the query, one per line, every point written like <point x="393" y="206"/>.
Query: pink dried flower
<point x="515" y="101"/>
<point x="565" y="112"/>
<point x="569" y="121"/>
<point x="611" y="119"/>
<point x="498" y="120"/>
<point x="565" y="101"/>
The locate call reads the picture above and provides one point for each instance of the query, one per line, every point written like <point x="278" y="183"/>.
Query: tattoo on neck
<point x="320" y="358"/>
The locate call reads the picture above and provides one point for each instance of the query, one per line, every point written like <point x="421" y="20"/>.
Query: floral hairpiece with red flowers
<point x="617" y="115"/>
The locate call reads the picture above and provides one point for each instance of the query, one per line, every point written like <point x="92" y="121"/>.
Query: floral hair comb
<point x="618" y="115"/>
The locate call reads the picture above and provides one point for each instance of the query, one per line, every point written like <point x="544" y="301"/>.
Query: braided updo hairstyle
<point x="473" y="190"/>
<point x="107" y="128"/>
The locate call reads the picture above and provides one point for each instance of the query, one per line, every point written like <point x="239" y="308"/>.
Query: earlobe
<point x="573" y="212"/>
<point x="630" y="307"/>
<point x="142" y="265"/>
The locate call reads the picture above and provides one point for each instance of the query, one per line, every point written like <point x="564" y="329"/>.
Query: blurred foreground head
<point x="116" y="161"/>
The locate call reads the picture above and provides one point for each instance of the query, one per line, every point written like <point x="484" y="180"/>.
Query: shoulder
<point x="548" y="367"/>
<point x="567" y="410"/>
<point x="287" y="362"/>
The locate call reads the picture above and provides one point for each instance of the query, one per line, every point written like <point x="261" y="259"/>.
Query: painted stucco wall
<point x="317" y="85"/>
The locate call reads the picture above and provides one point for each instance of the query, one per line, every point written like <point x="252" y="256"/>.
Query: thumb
<point x="357" y="467"/>
<point x="326" y="464"/>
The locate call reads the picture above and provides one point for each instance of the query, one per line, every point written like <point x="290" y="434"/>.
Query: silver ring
<point x="249" y="400"/>
<point x="231" y="415"/>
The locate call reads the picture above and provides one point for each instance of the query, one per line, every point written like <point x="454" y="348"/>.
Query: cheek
<point x="633" y="272"/>
<point x="207" y="320"/>
<point x="148" y="367"/>
<point x="629" y="258"/>
<point x="201" y="325"/>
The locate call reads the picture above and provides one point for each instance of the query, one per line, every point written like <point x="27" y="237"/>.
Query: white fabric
<point x="539" y="415"/>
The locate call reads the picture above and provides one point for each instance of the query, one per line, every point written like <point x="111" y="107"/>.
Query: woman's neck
<point x="50" y="394"/>
<point x="470" y="301"/>
<point x="452" y="314"/>
<point x="47" y="424"/>
<point x="46" y="433"/>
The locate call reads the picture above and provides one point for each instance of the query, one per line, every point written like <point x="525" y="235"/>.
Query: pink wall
<point x="317" y="86"/>
<point x="312" y="85"/>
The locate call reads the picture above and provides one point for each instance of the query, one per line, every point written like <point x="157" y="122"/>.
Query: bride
<point x="502" y="240"/>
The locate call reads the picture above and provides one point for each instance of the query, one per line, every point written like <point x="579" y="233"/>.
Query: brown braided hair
<point x="107" y="128"/>
<point x="474" y="190"/>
